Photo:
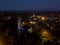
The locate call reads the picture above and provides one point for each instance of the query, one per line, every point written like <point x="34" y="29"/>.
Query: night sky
<point x="40" y="5"/>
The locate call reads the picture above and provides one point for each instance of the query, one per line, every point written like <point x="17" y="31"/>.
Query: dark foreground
<point x="37" y="31"/>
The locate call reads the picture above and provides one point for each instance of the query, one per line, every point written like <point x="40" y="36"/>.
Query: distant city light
<point x="43" y="18"/>
<point x="32" y="22"/>
<point x="38" y="16"/>
<point x="44" y="33"/>
<point x="23" y="23"/>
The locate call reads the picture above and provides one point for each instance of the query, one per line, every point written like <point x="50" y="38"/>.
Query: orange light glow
<point x="45" y="33"/>
<point x="43" y="18"/>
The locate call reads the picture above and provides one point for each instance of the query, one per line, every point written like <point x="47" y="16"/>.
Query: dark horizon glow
<point x="49" y="5"/>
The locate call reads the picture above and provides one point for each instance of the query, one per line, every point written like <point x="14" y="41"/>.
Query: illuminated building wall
<point x="19" y="26"/>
